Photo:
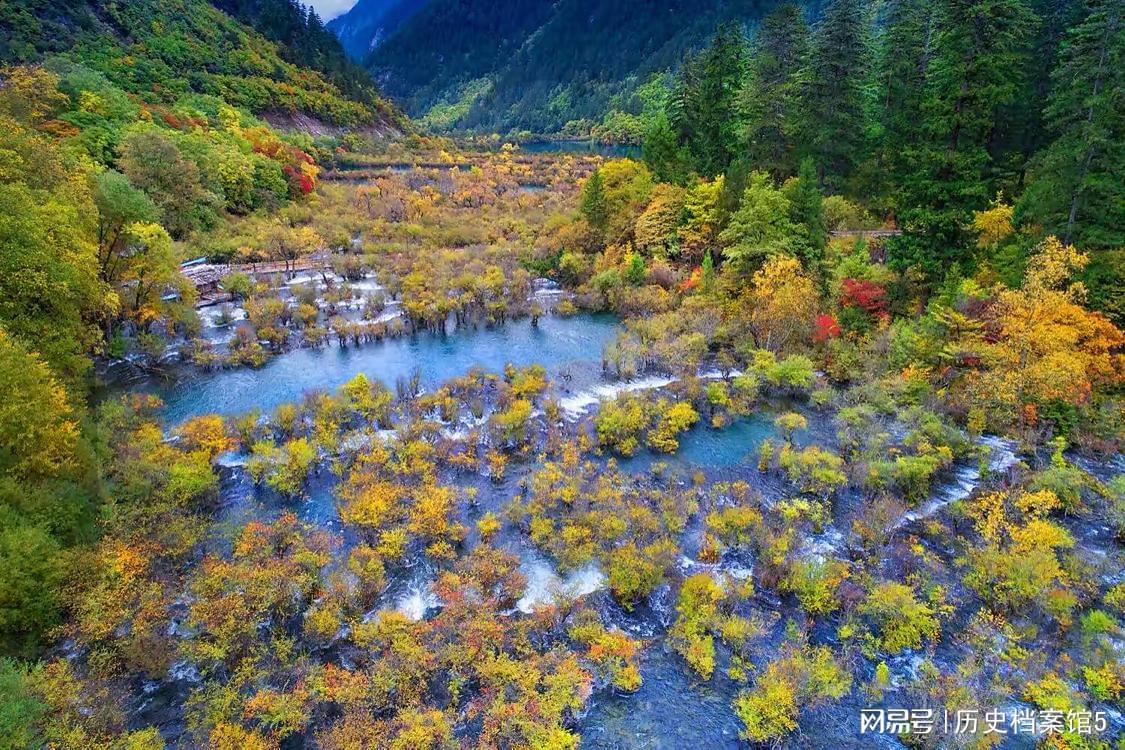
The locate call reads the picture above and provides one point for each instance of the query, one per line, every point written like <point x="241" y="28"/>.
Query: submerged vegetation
<point x="909" y="395"/>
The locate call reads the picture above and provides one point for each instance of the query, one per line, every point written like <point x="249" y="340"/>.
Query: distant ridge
<point x="370" y="23"/>
<point x="500" y="65"/>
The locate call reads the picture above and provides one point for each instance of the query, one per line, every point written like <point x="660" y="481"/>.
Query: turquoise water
<point x="702" y="447"/>
<point x="557" y="343"/>
<point x="673" y="709"/>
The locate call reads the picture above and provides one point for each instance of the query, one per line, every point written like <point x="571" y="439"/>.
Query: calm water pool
<point x="559" y="344"/>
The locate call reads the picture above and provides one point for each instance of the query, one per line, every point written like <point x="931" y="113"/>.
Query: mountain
<point x="498" y="65"/>
<point x="160" y="50"/>
<point x="371" y="22"/>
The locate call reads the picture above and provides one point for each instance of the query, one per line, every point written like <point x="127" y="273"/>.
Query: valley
<point x="727" y="376"/>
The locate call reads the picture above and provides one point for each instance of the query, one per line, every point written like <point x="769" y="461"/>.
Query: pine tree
<point x="835" y="121"/>
<point x="805" y="212"/>
<point x="1021" y="130"/>
<point x="980" y="50"/>
<point x="593" y="205"/>
<point x="635" y="269"/>
<point x="663" y="153"/>
<point x="1077" y="191"/>
<point x="705" y="104"/>
<point x="773" y="95"/>
<point x="903" y="59"/>
<point x="735" y="180"/>
<point x="708" y="271"/>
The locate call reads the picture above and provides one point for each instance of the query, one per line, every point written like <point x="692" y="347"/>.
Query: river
<point x="673" y="709"/>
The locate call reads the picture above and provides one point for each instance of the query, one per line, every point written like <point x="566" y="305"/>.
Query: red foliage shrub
<point x="866" y="295"/>
<point x="299" y="181"/>
<point x="693" y="281"/>
<point x="825" y="328"/>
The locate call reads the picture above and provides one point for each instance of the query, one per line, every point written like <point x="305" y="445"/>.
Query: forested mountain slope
<point x="163" y="49"/>
<point x="538" y="65"/>
<point x="126" y="130"/>
<point x="303" y="40"/>
<point x="371" y="22"/>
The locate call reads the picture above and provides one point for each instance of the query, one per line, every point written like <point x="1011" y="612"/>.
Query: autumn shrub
<point x="697" y="615"/>
<point x="674" y="420"/>
<point x="815" y="583"/>
<point x="1105" y="683"/>
<point x="913" y="475"/>
<point x="898" y="620"/>
<point x="790" y="422"/>
<point x="619" y="424"/>
<point x="814" y="469"/>
<point x="800" y="678"/>
<point x="1020" y="568"/>
<point x="512" y="422"/>
<point x="489" y="525"/>
<point x="613" y="653"/>
<point x="634" y="572"/>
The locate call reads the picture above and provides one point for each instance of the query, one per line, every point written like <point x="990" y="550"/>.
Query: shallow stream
<point x="673" y="709"/>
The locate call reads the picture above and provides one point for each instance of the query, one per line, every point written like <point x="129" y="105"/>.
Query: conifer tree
<point x="663" y="153"/>
<point x="835" y="123"/>
<point x="705" y="103"/>
<point x="773" y="95"/>
<point x="1024" y="131"/>
<point x="980" y="50"/>
<point x="708" y="271"/>
<point x="593" y="206"/>
<point x="1077" y="191"/>
<point x="903" y="59"/>
<point x="805" y="213"/>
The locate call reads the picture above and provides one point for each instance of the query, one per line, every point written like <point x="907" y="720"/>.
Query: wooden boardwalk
<point x="865" y="233"/>
<point x="206" y="277"/>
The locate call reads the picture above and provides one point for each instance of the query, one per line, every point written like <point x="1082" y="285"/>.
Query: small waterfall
<point x="576" y="405"/>
<point x="209" y="316"/>
<point x="719" y="374"/>
<point x="411" y="594"/>
<point x="826" y="546"/>
<point x="231" y="460"/>
<point x="966" y="478"/>
<point x="545" y="586"/>
<point x="730" y="567"/>
<point x="546" y="289"/>
<point x="388" y="315"/>
<point x="184" y="671"/>
<point x="367" y="285"/>
<point x="416" y="602"/>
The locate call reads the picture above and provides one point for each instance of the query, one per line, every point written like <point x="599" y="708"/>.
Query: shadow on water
<point x="591" y="147"/>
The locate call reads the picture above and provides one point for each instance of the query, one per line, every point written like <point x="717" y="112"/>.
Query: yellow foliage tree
<point x="1043" y="345"/>
<point x="781" y="304"/>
